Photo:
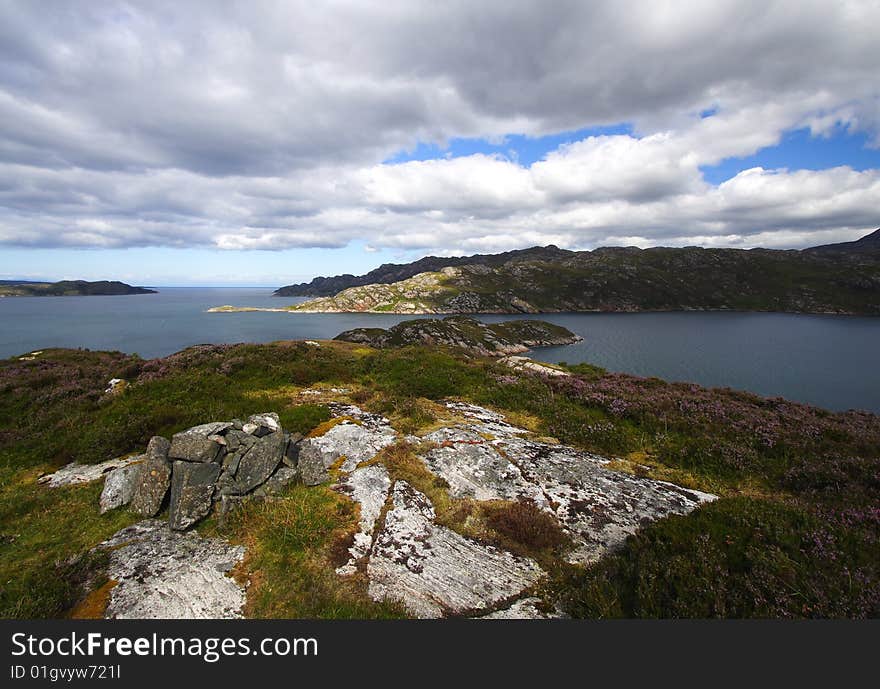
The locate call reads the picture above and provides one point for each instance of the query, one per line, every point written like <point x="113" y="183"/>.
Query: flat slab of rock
<point x="357" y="442"/>
<point x="523" y="363"/>
<point x="170" y="575"/>
<point x="436" y="572"/>
<point x="192" y="492"/>
<point x="119" y="486"/>
<point x="473" y="468"/>
<point x="597" y="507"/>
<point x="73" y="474"/>
<point x="194" y="446"/>
<point x="368" y="486"/>
<point x="524" y="609"/>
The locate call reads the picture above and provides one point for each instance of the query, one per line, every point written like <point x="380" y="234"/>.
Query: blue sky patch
<point x="800" y="150"/>
<point x="519" y="148"/>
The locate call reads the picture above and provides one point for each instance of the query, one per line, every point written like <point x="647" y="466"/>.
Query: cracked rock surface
<point x="597" y="507"/>
<point x="433" y="570"/>
<point x="357" y="438"/>
<point x="171" y="575"/>
<point x="73" y="474"/>
<point x="368" y="486"/>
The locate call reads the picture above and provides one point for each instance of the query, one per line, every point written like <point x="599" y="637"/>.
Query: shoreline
<point x="226" y="308"/>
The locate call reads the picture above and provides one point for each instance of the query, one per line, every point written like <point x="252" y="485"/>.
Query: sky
<point x="265" y="143"/>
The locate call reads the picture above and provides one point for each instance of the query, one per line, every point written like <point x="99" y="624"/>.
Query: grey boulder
<point x="276" y="484"/>
<point x="204" y="443"/>
<point x="192" y="493"/>
<point x="153" y="479"/>
<point x="119" y="487"/>
<point x="311" y="464"/>
<point x="260" y="462"/>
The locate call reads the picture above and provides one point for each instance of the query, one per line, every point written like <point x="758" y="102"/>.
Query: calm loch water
<point x="830" y="361"/>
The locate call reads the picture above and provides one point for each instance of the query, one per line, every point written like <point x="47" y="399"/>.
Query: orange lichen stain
<point x="321" y="429"/>
<point x="94" y="605"/>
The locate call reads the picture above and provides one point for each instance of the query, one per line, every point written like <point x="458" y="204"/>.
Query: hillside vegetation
<point x="467" y="334"/>
<point x="794" y="534"/>
<point x="842" y="278"/>
<point x="67" y="288"/>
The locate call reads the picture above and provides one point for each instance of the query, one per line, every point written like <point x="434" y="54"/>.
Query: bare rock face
<point x="598" y="508"/>
<point x="192" y="492"/>
<point x="169" y="575"/>
<point x="283" y="477"/>
<point x="523" y="609"/>
<point x="196" y="444"/>
<point x="368" y="486"/>
<point x="433" y="570"/>
<point x="473" y="468"/>
<point x="260" y="461"/>
<point x="357" y="441"/>
<point x="153" y="480"/>
<point x="74" y="474"/>
<point x="119" y="486"/>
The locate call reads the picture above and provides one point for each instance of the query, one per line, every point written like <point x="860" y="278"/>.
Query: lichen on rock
<point x="166" y="574"/>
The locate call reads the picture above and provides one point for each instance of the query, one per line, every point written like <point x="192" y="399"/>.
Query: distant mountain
<point x="548" y="279"/>
<point x="868" y="244"/>
<point x="395" y="272"/>
<point x="66" y="288"/>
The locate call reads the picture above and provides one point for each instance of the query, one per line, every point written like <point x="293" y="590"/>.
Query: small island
<point x="460" y="332"/>
<point x="69" y="288"/>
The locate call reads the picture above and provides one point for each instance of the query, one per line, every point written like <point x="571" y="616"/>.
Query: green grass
<point x="738" y="557"/>
<point x="795" y="534"/>
<point x="294" y="544"/>
<point x="45" y="536"/>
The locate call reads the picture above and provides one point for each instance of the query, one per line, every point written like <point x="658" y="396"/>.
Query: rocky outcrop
<point x="119" y="486"/>
<point x="356" y="438"/>
<point x="485" y="339"/>
<point x="417" y="294"/>
<point x="524" y="364"/>
<point x="153" y="480"/>
<point x="74" y="474"/>
<point x="164" y="574"/>
<point x="400" y="547"/>
<point x="219" y="462"/>
<point x="433" y="570"/>
<point x="598" y="508"/>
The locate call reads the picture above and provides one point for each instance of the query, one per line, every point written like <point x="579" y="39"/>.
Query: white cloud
<point x="261" y="125"/>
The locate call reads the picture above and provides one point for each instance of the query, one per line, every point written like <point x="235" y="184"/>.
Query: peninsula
<point x="842" y="278"/>
<point x="68" y="288"/>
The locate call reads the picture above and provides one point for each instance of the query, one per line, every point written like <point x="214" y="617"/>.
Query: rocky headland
<point x="69" y="288"/>
<point x="840" y="278"/>
<point x="483" y="339"/>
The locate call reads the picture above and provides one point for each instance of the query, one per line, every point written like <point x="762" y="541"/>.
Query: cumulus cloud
<point x="263" y="125"/>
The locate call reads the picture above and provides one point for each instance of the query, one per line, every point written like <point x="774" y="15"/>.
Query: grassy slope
<point x="795" y="534"/>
